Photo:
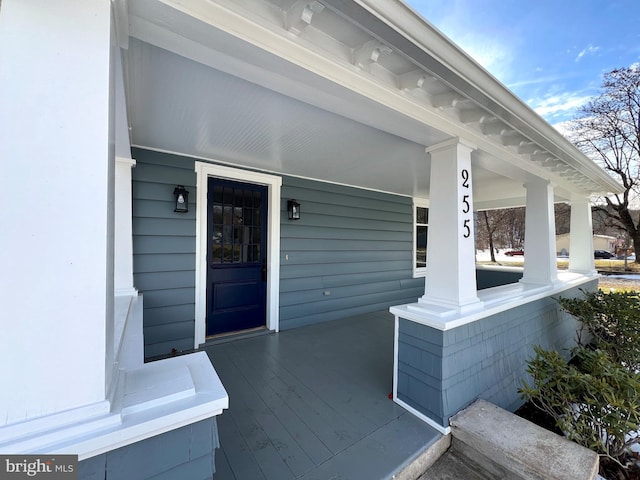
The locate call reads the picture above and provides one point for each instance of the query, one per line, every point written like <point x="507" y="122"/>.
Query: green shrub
<point x="593" y="399"/>
<point x="612" y="321"/>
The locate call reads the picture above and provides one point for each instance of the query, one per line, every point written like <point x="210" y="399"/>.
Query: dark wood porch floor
<point x="312" y="403"/>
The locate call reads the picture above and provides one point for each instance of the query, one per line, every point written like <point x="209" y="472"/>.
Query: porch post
<point x="451" y="277"/>
<point x="540" y="267"/>
<point x="57" y="171"/>
<point x="123" y="248"/>
<point x="581" y="238"/>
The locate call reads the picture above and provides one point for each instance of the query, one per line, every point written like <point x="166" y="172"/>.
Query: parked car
<point x="603" y="254"/>
<point x="518" y="251"/>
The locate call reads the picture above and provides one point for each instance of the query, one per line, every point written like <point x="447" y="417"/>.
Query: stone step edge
<point x="521" y="447"/>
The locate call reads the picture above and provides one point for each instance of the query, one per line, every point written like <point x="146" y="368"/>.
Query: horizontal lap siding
<point x="440" y="373"/>
<point x="350" y="253"/>
<point x="355" y="244"/>
<point x="164" y="245"/>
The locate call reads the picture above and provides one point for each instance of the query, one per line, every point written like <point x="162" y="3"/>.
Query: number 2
<point x="465" y="178"/>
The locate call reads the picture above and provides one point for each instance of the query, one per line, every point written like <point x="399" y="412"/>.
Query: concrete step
<point x="453" y="466"/>
<point x="524" y="450"/>
<point x="489" y="443"/>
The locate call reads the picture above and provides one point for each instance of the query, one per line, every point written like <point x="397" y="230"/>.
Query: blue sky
<point x="552" y="54"/>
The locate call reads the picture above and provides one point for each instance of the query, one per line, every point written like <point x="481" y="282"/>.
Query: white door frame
<point x="273" y="184"/>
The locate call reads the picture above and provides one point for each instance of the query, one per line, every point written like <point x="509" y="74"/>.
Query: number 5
<point x="467" y="230"/>
<point x="466" y="207"/>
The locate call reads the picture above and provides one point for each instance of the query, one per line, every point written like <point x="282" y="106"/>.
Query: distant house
<point x="600" y="242"/>
<point x="153" y="153"/>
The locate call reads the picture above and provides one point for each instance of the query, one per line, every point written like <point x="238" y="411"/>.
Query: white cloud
<point x="559" y="105"/>
<point x="494" y="56"/>
<point x="589" y="50"/>
<point x="549" y="79"/>
<point x="488" y="46"/>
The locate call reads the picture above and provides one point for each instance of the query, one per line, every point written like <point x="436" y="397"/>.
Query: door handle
<point x="264" y="270"/>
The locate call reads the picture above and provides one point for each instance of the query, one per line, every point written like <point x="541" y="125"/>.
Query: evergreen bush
<point x="612" y="321"/>
<point x="595" y="398"/>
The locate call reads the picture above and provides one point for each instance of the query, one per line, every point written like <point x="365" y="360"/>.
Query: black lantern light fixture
<point x="182" y="199"/>
<point x="293" y="208"/>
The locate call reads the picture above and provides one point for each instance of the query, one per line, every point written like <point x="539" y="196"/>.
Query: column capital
<point x="125" y="161"/>
<point x="451" y="143"/>
<point x="537" y="182"/>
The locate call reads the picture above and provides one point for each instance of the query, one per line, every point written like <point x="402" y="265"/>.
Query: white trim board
<point x="273" y="184"/>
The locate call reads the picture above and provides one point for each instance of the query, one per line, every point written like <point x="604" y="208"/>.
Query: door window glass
<point x="235" y="225"/>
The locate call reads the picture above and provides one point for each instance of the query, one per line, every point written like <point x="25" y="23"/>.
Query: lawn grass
<point x="563" y="264"/>
<point x="605" y="284"/>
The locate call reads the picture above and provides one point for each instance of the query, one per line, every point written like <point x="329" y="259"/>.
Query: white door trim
<point x="273" y="184"/>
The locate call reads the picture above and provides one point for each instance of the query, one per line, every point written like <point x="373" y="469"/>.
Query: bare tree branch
<point x="607" y="129"/>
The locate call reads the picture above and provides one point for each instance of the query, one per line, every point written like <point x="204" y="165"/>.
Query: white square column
<point x="123" y="228"/>
<point x="450" y="282"/>
<point x="123" y="201"/>
<point x="540" y="265"/>
<point x="581" y="238"/>
<point x="57" y="174"/>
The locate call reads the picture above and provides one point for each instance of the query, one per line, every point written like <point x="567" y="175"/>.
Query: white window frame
<point x="417" y="203"/>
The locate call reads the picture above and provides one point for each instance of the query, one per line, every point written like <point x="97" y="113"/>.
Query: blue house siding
<point x="487" y="278"/>
<point x="187" y="452"/>
<point x="350" y="253"/>
<point x="441" y="372"/>
<point x="164" y="246"/>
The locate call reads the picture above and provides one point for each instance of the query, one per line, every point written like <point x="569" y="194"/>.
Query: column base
<point x="441" y="308"/>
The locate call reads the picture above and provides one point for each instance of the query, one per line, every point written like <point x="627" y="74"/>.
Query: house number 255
<point x="466" y="207"/>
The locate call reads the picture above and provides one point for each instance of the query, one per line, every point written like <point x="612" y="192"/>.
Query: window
<point x="421" y="222"/>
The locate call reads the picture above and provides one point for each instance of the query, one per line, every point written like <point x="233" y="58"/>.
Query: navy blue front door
<point x="236" y="256"/>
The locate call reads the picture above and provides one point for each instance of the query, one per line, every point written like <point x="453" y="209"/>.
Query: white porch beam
<point x="581" y="238"/>
<point x="451" y="278"/>
<point x="57" y="167"/>
<point x="540" y="266"/>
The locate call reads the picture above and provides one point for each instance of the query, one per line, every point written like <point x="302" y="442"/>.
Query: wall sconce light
<point x="293" y="208"/>
<point x="182" y="199"/>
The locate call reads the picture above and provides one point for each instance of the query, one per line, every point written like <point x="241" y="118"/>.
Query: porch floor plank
<point x="312" y="403"/>
<point x="242" y="463"/>
<point x="280" y="410"/>
<point x="264" y="432"/>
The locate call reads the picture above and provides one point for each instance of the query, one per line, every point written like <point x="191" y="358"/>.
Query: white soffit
<point x="324" y="98"/>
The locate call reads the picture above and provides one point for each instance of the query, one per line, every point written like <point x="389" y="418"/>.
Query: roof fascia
<point x="395" y="23"/>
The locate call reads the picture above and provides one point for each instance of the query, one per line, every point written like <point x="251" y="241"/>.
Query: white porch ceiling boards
<point x="343" y="91"/>
<point x="185" y="107"/>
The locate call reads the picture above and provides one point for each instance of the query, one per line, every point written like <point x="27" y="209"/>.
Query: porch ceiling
<point x="296" y="88"/>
